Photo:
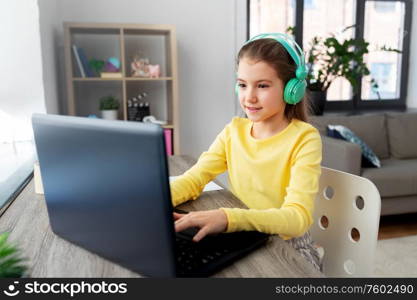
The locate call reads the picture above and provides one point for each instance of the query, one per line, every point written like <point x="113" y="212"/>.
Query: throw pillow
<point x="369" y="159"/>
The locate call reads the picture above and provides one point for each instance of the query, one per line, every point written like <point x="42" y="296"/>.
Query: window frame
<point x="357" y="103"/>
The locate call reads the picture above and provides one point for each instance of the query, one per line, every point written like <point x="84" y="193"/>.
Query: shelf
<point x="95" y="79"/>
<point x="147" y="79"/>
<point x="127" y="42"/>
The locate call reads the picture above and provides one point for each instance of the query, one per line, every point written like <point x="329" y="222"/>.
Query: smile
<point x="253" y="109"/>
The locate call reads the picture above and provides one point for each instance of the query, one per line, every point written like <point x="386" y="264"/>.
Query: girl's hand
<point x="209" y="222"/>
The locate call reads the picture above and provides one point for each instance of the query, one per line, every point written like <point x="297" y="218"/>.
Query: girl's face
<point x="260" y="91"/>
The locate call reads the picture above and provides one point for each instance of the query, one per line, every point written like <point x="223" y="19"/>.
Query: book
<point x="111" y="75"/>
<point x="78" y="60"/>
<point x="168" y="141"/>
<point x="84" y="61"/>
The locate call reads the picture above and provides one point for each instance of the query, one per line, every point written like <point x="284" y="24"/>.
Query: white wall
<point x="412" y="87"/>
<point x="49" y="23"/>
<point x="207" y="44"/>
<point x="21" y="88"/>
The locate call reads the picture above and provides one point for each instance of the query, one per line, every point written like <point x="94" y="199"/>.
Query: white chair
<point x="346" y="221"/>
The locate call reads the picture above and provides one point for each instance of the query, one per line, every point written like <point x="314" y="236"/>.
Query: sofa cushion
<point x="370" y="128"/>
<point x="402" y="134"/>
<point x="369" y="159"/>
<point x="397" y="177"/>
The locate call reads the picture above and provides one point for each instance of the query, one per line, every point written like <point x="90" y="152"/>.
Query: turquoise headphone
<point x="295" y="88"/>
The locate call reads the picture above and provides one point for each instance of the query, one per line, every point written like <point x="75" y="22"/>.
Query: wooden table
<point x="51" y="256"/>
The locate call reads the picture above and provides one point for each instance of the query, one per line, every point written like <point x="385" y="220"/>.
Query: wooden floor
<point x="397" y="226"/>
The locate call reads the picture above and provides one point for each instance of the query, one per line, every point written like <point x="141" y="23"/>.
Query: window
<point x="380" y="33"/>
<point x="321" y="21"/>
<point x="369" y="18"/>
<point x="384" y="6"/>
<point x="271" y="16"/>
<point x="385" y="74"/>
<point x="310" y="4"/>
<point x="21" y="93"/>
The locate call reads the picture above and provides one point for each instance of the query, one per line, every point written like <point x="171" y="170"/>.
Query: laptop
<point x="106" y="188"/>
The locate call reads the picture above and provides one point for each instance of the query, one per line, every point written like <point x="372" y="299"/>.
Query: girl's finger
<point x="183" y="224"/>
<point x="201" y="234"/>
<point x="178" y="216"/>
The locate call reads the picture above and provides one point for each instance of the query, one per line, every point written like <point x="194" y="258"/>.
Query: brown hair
<point x="274" y="54"/>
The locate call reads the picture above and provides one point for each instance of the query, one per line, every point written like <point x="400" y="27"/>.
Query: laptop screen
<point x="106" y="189"/>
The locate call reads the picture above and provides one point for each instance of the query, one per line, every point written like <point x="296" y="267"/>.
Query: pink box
<point x="168" y="141"/>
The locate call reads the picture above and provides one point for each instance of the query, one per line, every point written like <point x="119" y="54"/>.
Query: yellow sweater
<point x="277" y="177"/>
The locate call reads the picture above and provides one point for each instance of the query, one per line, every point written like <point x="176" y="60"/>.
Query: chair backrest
<point x="346" y="221"/>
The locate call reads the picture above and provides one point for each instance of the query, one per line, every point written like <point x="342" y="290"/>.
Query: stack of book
<point x="82" y="62"/>
<point x="85" y="69"/>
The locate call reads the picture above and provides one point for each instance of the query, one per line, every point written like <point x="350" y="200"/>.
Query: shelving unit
<point x="124" y="41"/>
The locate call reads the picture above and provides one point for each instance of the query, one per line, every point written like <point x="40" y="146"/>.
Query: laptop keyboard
<point x="191" y="257"/>
<point x="212" y="253"/>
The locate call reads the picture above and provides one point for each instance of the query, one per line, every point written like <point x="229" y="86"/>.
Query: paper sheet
<point x="211" y="186"/>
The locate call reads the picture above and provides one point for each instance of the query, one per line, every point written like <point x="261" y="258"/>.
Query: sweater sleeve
<point x="210" y="164"/>
<point x="294" y="217"/>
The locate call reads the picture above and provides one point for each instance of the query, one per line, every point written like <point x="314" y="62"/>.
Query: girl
<point x="273" y="156"/>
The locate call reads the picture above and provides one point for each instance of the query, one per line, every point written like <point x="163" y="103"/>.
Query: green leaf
<point x="11" y="265"/>
<point x="97" y="65"/>
<point x="7" y="250"/>
<point x="338" y="59"/>
<point x="389" y="49"/>
<point x="290" y="30"/>
<point x="109" y="103"/>
<point x="3" y="238"/>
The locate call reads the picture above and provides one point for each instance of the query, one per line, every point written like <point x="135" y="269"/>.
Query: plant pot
<point x="318" y="101"/>
<point x="109" y="114"/>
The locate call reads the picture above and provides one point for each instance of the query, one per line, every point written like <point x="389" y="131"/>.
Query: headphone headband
<point x="293" y="49"/>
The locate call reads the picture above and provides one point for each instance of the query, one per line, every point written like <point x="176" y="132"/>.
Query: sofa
<point x="393" y="138"/>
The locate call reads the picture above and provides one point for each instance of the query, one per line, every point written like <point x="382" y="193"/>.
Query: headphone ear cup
<point x="294" y="91"/>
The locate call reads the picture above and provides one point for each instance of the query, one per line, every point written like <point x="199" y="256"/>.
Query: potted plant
<point x="109" y="106"/>
<point x="11" y="264"/>
<point x="97" y="65"/>
<point x="328" y="58"/>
